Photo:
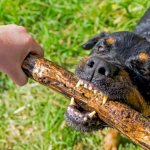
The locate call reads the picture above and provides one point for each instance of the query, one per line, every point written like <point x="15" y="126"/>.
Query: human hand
<point x="15" y="44"/>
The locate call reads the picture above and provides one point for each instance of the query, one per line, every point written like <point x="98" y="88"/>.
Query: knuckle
<point x="28" y="39"/>
<point x="21" y="29"/>
<point x="18" y="28"/>
<point x="12" y="25"/>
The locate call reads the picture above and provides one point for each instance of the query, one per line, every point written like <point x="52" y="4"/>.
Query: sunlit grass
<point x="32" y="117"/>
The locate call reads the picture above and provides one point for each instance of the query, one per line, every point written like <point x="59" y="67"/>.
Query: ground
<point x="32" y="117"/>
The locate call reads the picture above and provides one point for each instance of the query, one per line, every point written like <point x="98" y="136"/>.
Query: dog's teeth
<point x="72" y="102"/>
<point x="76" y="113"/>
<point x="92" y="114"/>
<point x="68" y="108"/>
<point x="85" y="86"/>
<point x="80" y="115"/>
<point x="81" y="82"/>
<point x="105" y="100"/>
<point x="90" y="88"/>
<point x="78" y="83"/>
<point x="85" y="118"/>
<point x="95" y="91"/>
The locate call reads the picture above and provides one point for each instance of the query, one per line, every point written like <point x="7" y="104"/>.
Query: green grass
<point x="32" y="117"/>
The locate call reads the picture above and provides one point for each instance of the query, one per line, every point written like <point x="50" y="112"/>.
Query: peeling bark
<point x="128" y="121"/>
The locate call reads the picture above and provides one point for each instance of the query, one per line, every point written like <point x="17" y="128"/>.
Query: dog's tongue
<point x="78" y="114"/>
<point x="81" y="119"/>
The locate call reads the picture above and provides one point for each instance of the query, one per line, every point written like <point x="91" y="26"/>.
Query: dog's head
<point x="118" y="67"/>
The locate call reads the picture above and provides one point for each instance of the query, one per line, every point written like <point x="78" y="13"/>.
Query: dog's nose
<point x="98" y="68"/>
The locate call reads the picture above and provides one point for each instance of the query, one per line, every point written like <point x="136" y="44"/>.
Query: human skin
<point x="15" y="44"/>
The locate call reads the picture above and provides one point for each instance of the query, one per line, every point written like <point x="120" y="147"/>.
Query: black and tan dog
<point x="119" y="67"/>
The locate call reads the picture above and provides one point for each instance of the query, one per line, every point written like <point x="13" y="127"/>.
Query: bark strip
<point x="128" y="121"/>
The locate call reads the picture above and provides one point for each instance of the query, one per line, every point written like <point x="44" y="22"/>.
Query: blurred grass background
<point x="32" y="117"/>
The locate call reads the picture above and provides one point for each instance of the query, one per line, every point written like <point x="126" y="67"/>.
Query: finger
<point x="38" y="52"/>
<point x="18" y="76"/>
<point x="35" y="48"/>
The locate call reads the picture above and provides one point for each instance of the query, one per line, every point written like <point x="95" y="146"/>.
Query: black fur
<point x="116" y="67"/>
<point x="125" y="54"/>
<point x="143" y="27"/>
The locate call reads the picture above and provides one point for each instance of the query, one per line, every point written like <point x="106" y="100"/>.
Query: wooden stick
<point x="128" y="121"/>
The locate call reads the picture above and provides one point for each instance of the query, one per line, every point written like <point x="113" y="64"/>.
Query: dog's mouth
<point x="97" y="81"/>
<point x="115" y="88"/>
<point x="86" y="121"/>
<point x="81" y="119"/>
<point x="118" y="87"/>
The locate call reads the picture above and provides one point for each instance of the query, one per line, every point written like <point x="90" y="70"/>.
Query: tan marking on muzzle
<point x="136" y="100"/>
<point x="124" y="76"/>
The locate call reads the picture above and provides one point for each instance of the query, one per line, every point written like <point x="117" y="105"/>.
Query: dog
<point x="118" y="66"/>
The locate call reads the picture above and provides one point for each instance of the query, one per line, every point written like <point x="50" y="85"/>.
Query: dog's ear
<point x="140" y="64"/>
<point x="91" y="42"/>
